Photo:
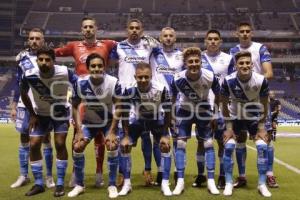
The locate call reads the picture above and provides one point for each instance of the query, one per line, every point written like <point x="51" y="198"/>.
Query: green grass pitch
<point x="287" y="150"/>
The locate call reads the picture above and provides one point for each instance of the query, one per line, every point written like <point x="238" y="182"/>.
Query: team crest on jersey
<point x="247" y="87"/>
<point x="205" y="86"/>
<point x="255" y="88"/>
<point x="98" y="91"/>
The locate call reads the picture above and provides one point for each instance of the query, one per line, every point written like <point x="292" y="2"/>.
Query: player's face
<point x="193" y="64"/>
<point x="35" y="40"/>
<point x="88" y="29"/>
<point x="45" y="63"/>
<point x="143" y="78"/>
<point x="244" y="67"/>
<point x="134" y="31"/>
<point x="245" y="34"/>
<point x="213" y="42"/>
<point x="271" y="94"/>
<point x="168" y="37"/>
<point x="97" y="68"/>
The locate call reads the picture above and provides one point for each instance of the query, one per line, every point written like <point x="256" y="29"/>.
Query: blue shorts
<point x="22" y="120"/>
<point x="47" y="124"/>
<point x="139" y="127"/>
<point x="185" y="120"/>
<point x="218" y="134"/>
<point x="91" y="133"/>
<point x="245" y="125"/>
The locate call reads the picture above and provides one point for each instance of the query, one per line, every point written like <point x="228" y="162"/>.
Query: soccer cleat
<point x="263" y="190"/>
<point x="99" y="180"/>
<point x="228" y="189"/>
<point x="148" y="178"/>
<point x="221" y="182"/>
<point x="126" y="189"/>
<point x="120" y="180"/>
<point x="49" y="182"/>
<point x="59" y="191"/>
<point x="112" y="192"/>
<point x="240" y="182"/>
<point x="72" y="182"/>
<point x="165" y="188"/>
<point x="211" y="186"/>
<point x="77" y="190"/>
<point x="200" y="179"/>
<point x="179" y="187"/>
<point x="271" y="182"/>
<point x="158" y="179"/>
<point x="22" y="180"/>
<point x="36" y="189"/>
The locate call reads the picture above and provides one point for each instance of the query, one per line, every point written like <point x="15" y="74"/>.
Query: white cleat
<point x="50" y="182"/>
<point x="77" y="190"/>
<point x="165" y="188"/>
<point x="179" y="187"/>
<point x="72" y="182"/>
<point x="126" y="189"/>
<point x="228" y="189"/>
<point x="263" y="190"/>
<point x="211" y="186"/>
<point x="112" y="192"/>
<point x="22" y="180"/>
<point x="99" y="180"/>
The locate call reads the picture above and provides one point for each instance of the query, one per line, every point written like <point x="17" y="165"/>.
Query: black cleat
<point x="240" y="182"/>
<point x="36" y="189"/>
<point x="59" y="191"/>
<point x="175" y="176"/>
<point x="271" y="182"/>
<point x="158" y="179"/>
<point x="200" y="179"/>
<point x="221" y="182"/>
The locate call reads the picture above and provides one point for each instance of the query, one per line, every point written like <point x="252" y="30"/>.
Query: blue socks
<point x="200" y="157"/>
<point x="180" y="157"/>
<point x="262" y="161"/>
<point x="37" y="171"/>
<point x="270" y="158"/>
<point x="23" y="158"/>
<point x="227" y="160"/>
<point x="147" y="150"/>
<point x="112" y="162"/>
<point x="79" y="163"/>
<point x="241" y="154"/>
<point x="48" y="155"/>
<point x="125" y="165"/>
<point x="61" y="167"/>
<point x="166" y="165"/>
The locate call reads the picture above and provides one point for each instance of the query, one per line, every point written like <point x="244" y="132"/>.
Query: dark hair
<point x="244" y="24"/>
<point x="135" y="20"/>
<point x="142" y="66"/>
<point x="213" y="31"/>
<point x="89" y="18"/>
<point x="242" y="54"/>
<point x="191" y="51"/>
<point x="46" y="50"/>
<point x="91" y="57"/>
<point x="37" y="30"/>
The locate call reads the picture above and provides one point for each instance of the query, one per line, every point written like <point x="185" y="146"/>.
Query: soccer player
<point x="221" y="64"/>
<point x="49" y="84"/>
<point x="80" y="50"/>
<point x="193" y="85"/>
<point x="165" y="61"/>
<point x="27" y="61"/>
<point x="98" y="92"/>
<point x="125" y="56"/>
<point x="146" y="101"/>
<point x="261" y="60"/>
<point x="248" y="93"/>
<point x="275" y="106"/>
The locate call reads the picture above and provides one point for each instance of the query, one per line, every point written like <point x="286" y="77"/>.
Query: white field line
<point x="290" y="167"/>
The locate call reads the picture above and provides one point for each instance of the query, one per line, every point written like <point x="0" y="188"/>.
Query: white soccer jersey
<point x="98" y="100"/>
<point x="50" y="95"/>
<point x="241" y="93"/>
<point x="165" y="65"/>
<point x="26" y="61"/>
<point x="147" y="105"/>
<point x="259" y="54"/>
<point x="221" y="65"/>
<point x="194" y="93"/>
<point x="129" y="56"/>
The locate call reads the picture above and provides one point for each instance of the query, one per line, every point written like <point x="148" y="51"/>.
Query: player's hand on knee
<point x="164" y="144"/>
<point x="125" y="145"/>
<point x="228" y="134"/>
<point x="111" y="142"/>
<point x="262" y="135"/>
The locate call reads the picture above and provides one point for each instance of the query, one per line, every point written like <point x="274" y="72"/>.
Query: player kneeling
<point x="248" y="92"/>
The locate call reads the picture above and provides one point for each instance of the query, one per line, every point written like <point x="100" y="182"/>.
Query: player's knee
<point x="208" y="143"/>
<point x="125" y="149"/>
<point x="165" y="147"/>
<point x="112" y="153"/>
<point x="181" y="144"/>
<point x="79" y="146"/>
<point x="111" y="147"/>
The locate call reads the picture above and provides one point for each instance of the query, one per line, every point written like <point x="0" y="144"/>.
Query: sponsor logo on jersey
<point x="134" y="59"/>
<point x="162" y="69"/>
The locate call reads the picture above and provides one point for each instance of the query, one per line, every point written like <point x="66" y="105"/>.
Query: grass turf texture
<point x="286" y="150"/>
